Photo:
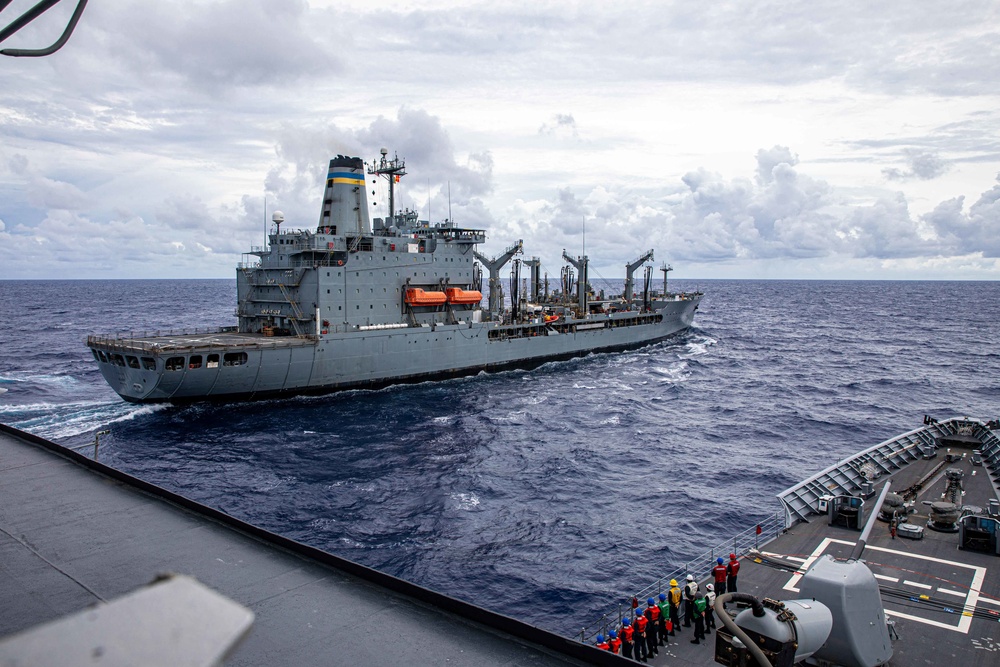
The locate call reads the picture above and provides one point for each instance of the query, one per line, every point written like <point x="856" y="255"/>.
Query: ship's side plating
<point x="356" y="304"/>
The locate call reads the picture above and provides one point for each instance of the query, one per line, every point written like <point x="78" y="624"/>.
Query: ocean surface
<point x="547" y="495"/>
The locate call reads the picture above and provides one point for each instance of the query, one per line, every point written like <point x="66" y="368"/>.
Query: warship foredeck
<point x="943" y="601"/>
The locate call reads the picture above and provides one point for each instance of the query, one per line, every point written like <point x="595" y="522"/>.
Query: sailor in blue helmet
<point x="641" y="626"/>
<point x="628" y="637"/>
<point x="719" y="575"/>
<point x="652" y="615"/>
<point x="614" y="644"/>
<point x="601" y="643"/>
<point x="666" y="627"/>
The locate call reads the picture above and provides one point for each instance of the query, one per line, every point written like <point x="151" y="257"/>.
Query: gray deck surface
<point x="169" y="342"/>
<point x="71" y="537"/>
<point x="933" y="566"/>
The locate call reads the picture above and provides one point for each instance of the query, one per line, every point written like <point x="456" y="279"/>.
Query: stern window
<point x="149" y="363"/>
<point x="133" y="362"/>
<point x="234" y="359"/>
<point x="213" y="361"/>
<point x="195" y="361"/>
<point x="175" y="364"/>
<point x="117" y="360"/>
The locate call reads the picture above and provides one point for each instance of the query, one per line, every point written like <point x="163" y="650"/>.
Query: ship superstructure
<point x="357" y="302"/>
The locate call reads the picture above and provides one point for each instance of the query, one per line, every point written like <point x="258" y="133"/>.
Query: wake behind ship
<point x="361" y="303"/>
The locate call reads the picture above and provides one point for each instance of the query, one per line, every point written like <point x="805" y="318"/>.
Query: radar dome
<point x="277" y="217"/>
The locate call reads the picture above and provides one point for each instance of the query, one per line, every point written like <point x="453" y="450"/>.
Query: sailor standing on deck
<point x="675" y="606"/>
<point x="719" y="573"/>
<point x="690" y="589"/>
<point x="614" y="643"/>
<point x="640" y="636"/>
<point x="628" y="635"/>
<point x="709" y="608"/>
<point x="732" y="571"/>
<point x="664" y="619"/>
<point x="652" y="615"/>
<point x="699" y="618"/>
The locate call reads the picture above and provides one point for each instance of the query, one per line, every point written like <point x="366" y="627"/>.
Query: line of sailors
<point x="653" y="626"/>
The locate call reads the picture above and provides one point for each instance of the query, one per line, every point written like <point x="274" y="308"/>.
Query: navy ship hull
<point x="368" y="359"/>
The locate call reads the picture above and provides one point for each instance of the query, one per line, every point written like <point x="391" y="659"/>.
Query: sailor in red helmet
<point x="732" y="571"/>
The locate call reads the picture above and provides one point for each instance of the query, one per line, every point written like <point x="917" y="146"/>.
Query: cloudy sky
<point x="737" y="139"/>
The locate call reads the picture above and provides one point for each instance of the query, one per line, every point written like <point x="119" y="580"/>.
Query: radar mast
<point x="392" y="170"/>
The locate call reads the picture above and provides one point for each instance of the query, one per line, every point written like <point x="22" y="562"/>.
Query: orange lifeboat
<point x="463" y="297"/>
<point x="418" y="297"/>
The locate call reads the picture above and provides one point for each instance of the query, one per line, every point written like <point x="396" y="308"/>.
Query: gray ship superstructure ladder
<point x="253" y="282"/>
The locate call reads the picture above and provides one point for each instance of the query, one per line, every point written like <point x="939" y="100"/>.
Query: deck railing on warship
<point x="740" y="544"/>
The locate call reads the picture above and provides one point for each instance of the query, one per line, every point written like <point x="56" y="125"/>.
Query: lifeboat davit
<point x="463" y="297"/>
<point x="418" y="297"/>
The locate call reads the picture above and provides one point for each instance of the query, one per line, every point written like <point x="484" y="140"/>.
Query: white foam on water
<point x="698" y="347"/>
<point x="466" y="501"/>
<point x="71" y="419"/>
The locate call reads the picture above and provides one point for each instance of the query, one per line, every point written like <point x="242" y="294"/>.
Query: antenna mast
<point x="392" y="170"/>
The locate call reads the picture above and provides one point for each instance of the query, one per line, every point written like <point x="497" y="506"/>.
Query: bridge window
<point x="149" y="363"/>
<point x="133" y="362"/>
<point x="118" y="360"/>
<point x="195" y="361"/>
<point x="213" y="361"/>
<point x="175" y="364"/>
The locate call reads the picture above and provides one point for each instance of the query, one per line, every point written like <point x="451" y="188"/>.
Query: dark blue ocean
<point x="546" y="495"/>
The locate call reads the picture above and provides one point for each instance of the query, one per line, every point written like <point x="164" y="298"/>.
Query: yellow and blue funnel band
<point x="345" y="177"/>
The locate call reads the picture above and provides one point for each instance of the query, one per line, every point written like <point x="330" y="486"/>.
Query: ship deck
<point x="74" y="533"/>
<point x="930" y="588"/>
<point x="157" y="343"/>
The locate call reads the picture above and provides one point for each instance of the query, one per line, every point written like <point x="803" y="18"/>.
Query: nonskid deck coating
<point x="933" y="567"/>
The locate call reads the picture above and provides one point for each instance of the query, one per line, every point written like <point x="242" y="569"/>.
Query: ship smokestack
<point x="345" y="204"/>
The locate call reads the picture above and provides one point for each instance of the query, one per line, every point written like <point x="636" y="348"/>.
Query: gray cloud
<point x="561" y="125"/>
<point x="920" y="165"/>
<point x="166" y="123"/>
<point x="977" y="230"/>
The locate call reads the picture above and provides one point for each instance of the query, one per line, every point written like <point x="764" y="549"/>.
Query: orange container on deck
<point x="418" y="297"/>
<point x="461" y="296"/>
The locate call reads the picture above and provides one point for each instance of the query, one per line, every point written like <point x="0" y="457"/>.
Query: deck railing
<point x="740" y="544"/>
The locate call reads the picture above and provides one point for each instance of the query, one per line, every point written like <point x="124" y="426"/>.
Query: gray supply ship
<point x="362" y="303"/>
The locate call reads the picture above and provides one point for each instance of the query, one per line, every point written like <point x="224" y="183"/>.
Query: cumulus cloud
<point x="174" y="119"/>
<point x="561" y="124"/>
<point x="972" y="231"/>
<point x="219" y="44"/>
<point x="921" y="165"/>
<point x="779" y="214"/>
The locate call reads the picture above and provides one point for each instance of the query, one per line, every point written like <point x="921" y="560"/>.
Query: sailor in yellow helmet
<point x="674" y="595"/>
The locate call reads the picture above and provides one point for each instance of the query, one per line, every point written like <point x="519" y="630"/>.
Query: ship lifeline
<point x="361" y="303"/>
